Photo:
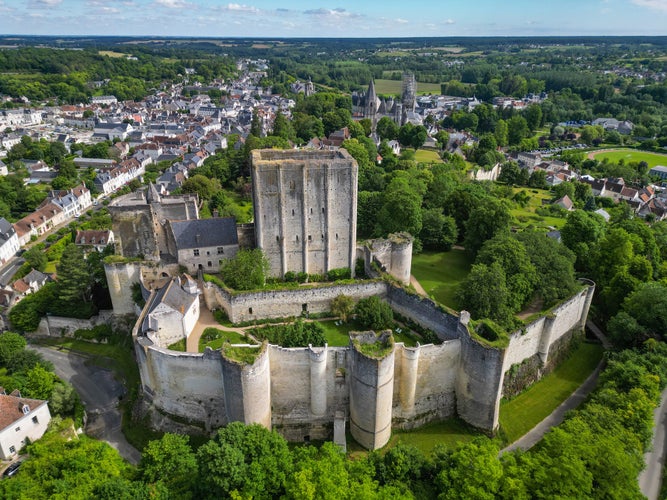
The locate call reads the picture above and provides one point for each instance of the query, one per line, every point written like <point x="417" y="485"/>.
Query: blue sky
<point x="361" y="18"/>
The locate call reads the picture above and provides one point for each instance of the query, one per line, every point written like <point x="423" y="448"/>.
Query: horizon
<point x="343" y="19"/>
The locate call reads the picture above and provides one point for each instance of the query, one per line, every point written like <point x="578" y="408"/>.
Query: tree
<point x="472" y="472"/>
<point x="246" y="271"/>
<point x="39" y="383"/>
<point x="171" y="461"/>
<point x="282" y="127"/>
<point x="533" y="115"/>
<point x="387" y="129"/>
<point x="202" y="186"/>
<point x="512" y="256"/>
<point x="401" y="209"/>
<point x="489" y="218"/>
<point x="374" y="313"/>
<point x="10" y="344"/>
<point x="517" y="129"/>
<point x="439" y="232"/>
<point x="580" y="232"/>
<point x="74" y="282"/>
<point x="342" y="306"/>
<point x="245" y="461"/>
<point x="485" y="294"/>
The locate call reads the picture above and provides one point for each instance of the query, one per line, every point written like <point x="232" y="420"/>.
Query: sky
<point x="361" y="18"/>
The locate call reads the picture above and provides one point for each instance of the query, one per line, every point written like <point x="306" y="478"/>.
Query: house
<point x="529" y="160"/>
<point x="21" y="419"/>
<point x="172" y="311"/>
<point x="9" y="241"/>
<point x="3" y="169"/>
<point x="72" y="201"/>
<point x="97" y="239"/>
<point x="658" y="171"/>
<point x="31" y="282"/>
<point x="41" y="221"/>
<point x="203" y="243"/>
<point x="565" y="202"/>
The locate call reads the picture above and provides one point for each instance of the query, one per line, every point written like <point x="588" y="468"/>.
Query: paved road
<point x="99" y="392"/>
<point x="651" y="477"/>
<point x="9" y="270"/>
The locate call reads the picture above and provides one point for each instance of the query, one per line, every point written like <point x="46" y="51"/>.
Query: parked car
<point x="12" y="469"/>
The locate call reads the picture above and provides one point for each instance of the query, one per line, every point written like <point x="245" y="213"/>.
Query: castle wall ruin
<point x="299" y="391"/>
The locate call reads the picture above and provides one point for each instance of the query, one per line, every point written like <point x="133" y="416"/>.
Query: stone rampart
<point x="299" y="391"/>
<point x="538" y="336"/>
<point x="58" y="326"/>
<point x="285" y="303"/>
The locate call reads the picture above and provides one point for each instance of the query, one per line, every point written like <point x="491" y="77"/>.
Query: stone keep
<point x="305" y="209"/>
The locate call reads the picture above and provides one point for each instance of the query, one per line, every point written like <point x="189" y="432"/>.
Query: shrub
<point x="373" y="313"/>
<point x="342" y="273"/>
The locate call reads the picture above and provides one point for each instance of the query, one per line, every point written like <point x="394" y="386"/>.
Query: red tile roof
<point x="11" y="408"/>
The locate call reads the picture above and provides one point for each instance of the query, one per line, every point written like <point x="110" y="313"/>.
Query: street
<point x="650" y="478"/>
<point x="99" y="392"/>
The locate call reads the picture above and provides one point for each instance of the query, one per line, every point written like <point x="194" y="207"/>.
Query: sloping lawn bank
<point x="522" y="413"/>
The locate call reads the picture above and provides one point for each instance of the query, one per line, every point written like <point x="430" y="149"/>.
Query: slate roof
<point x="11" y="409"/>
<point x="218" y="231"/>
<point x="6" y="230"/>
<point x="171" y="295"/>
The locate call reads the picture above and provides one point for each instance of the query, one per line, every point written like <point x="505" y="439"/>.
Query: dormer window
<point x="25" y="409"/>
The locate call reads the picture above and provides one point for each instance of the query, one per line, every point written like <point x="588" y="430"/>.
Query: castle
<point x="316" y="392"/>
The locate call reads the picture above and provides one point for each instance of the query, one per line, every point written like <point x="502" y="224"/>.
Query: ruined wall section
<point x="135" y="231"/>
<point x="423" y="311"/>
<point x="393" y="255"/>
<point x="187" y="386"/>
<point x="252" y="306"/>
<point x="538" y="336"/>
<point x="425" y="383"/>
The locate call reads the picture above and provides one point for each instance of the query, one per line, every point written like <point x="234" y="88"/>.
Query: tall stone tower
<point x="305" y="209"/>
<point x="372" y="104"/>
<point x="409" y="92"/>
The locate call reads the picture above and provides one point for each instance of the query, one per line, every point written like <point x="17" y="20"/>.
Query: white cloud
<point x="332" y="13"/>
<point x="652" y="4"/>
<point x="171" y="4"/>
<point x="450" y="21"/>
<point x="235" y="7"/>
<point x="41" y="4"/>
<point x="402" y="21"/>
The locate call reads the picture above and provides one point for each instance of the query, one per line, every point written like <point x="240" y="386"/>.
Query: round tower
<point x="247" y="386"/>
<point x="401" y="256"/>
<point x="371" y="388"/>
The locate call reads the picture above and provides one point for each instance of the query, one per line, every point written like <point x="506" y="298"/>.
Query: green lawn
<point x="396" y="86"/>
<point x="214" y="338"/>
<point x="629" y="155"/>
<point x="526" y="217"/>
<point x="529" y="408"/>
<point x="179" y="345"/>
<point x="440" y="273"/>
<point x="339" y="335"/>
<point x="450" y="433"/>
<point x="427" y="156"/>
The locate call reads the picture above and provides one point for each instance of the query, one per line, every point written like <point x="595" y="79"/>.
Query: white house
<point x="20" y="419"/>
<point x="9" y="241"/>
<point x="172" y="311"/>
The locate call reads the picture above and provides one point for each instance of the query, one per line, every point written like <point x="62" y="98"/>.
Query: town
<point x="356" y="266"/>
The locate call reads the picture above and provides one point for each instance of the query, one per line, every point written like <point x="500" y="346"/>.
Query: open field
<point x="339" y="335"/>
<point x="628" y="155"/>
<point x="529" y="408"/>
<point x="427" y="156"/>
<point x="440" y="273"/>
<point x="111" y="53"/>
<point x="525" y="217"/>
<point x="395" y="87"/>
